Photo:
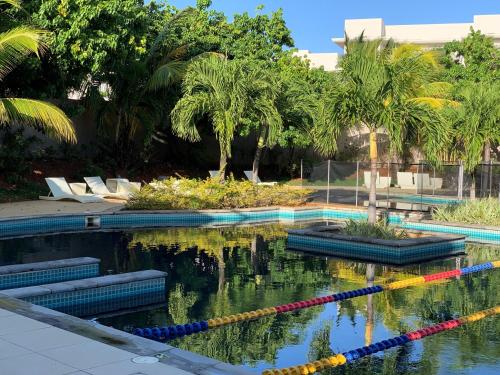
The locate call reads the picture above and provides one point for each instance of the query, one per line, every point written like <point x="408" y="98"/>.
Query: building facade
<point x="425" y="35"/>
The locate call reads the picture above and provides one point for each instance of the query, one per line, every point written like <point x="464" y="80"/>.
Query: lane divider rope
<point x="180" y="330"/>
<point x="353" y="355"/>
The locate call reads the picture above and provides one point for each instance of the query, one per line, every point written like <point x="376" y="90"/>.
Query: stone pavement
<point x="44" y="208"/>
<point x="29" y="347"/>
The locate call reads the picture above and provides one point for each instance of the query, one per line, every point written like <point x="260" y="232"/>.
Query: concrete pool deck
<point x="41" y="341"/>
<point x="28" y="346"/>
<point x="45" y="208"/>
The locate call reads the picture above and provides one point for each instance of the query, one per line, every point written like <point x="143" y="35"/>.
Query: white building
<point x="328" y="61"/>
<point x="426" y="35"/>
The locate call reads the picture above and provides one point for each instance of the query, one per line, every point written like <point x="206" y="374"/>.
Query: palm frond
<point x="435" y="102"/>
<point x="37" y="114"/>
<point x="13" y="3"/>
<point x="165" y="75"/>
<point x="16" y="44"/>
<point x="185" y="113"/>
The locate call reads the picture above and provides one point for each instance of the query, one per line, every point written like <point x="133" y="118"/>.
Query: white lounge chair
<point x="381" y="183"/>
<point x="122" y="185"/>
<point x="249" y="176"/>
<point x="405" y="180"/>
<point x="436" y="182"/>
<point x="98" y="187"/>
<point x="422" y="180"/>
<point x="213" y="174"/>
<point x="59" y="189"/>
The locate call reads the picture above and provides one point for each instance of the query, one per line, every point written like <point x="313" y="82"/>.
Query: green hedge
<point x="181" y="194"/>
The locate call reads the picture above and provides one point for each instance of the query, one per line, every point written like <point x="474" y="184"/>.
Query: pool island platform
<point x="418" y="247"/>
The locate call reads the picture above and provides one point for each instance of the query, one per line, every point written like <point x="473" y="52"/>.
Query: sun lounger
<point x="422" y="180"/>
<point x="405" y="180"/>
<point x="381" y="183"/>
<point x="249" y="175"/>
<point x="436" y="182"/>
<point x="59" y="189"/>
<point x="98" y="187"/>
<point x="213" y="174"/>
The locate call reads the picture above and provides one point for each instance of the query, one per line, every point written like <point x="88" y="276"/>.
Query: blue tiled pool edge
<point x="373" y="252"/>
<point x="129" y="219"/>
<point x="37" y="277"/>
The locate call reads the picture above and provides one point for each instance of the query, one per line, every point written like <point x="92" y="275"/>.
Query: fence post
<point x="490" y="178"/>
<point x="357" y="182"/>
<point x="433" y="181"/>
<point x="388" y="185"/>
<point x="418" y="176"/>
<point x="460" y="181"/>
<point x="328" y="184"/>
<point x="421" y="185"/>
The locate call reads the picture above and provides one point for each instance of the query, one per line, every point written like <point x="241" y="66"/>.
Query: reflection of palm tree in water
<point x="370" y="276"/>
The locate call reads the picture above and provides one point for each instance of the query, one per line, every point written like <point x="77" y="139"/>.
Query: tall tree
<point x="263" y="91"/>
<point x="213" y="87"/>
<point x="138" y="95"/>
<point x="15" y="45"/>
<point x="383" y="87"/>
<point x="476" y="124"/>
<point x="473" y="59"/>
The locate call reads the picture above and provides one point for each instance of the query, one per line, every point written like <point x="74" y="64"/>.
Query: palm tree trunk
<point x="222" y="164"/>
<point x="258" y="152"/>
<point x="372" y="198"/>
<point x="118" y="125"/>
<point x="485" y="175"/>
<point x="370" y="277"/>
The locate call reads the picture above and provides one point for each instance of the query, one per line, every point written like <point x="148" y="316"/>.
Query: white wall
<point x="427" y="35"/>
<point x="317" y="60"/>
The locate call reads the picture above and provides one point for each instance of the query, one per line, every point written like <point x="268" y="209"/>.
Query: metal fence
<point x="399" y="185"/>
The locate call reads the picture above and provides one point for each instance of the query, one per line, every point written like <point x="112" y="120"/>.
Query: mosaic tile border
<point x="125" y="220"/>
<point x="47" y="276"/>
<point x="374" y="252"/>
<point x="103" y="299"/>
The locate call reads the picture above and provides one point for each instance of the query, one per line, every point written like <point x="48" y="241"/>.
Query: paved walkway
<point x="41" y="208"/>
<point x="29" y="347"/>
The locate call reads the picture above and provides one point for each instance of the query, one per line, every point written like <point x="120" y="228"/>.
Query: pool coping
<point x="320" y="232"/>
<point x="179" y="358"/>
<point x="324" y="212"/>
<point x="457" y="224"/>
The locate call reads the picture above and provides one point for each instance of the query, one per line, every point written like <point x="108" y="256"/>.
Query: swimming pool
<point x="221" y="271"/>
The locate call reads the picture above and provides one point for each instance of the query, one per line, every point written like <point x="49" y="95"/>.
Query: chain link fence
<point x="415" y="186"/>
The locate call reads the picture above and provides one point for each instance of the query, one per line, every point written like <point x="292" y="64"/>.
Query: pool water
<point x="221" y="271"/>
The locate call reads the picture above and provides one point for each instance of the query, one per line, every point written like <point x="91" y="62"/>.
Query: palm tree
<point x="212" y="86"/>
<point x="263" y="96"/>
<point x="15" y="46"/>
<point x="138" y="93"/>
<point x="476" y="124"/>
<point x="385" y="88"/>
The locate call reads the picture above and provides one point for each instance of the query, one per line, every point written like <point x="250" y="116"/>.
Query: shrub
<point x="179" y="194"/>
<point x="480" y="211"/>
<point x="379" y="230"/>
<point x="15" y="155"/>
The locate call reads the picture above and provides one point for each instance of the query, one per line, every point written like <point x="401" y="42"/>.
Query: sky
<point x="315" y="22"/>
